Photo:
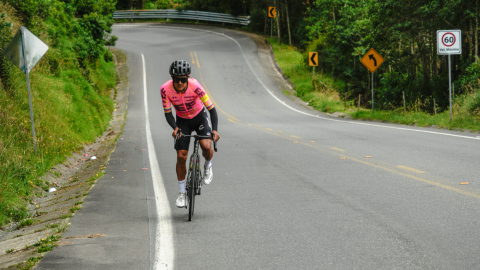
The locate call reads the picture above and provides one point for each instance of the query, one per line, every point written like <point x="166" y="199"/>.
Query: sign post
<point x="372" y="60"/>
<point x="24" y="51"/>
<point x="449" y="42"/>
<point x="271" y="14"/>
<point x="313" y="60"/>
<point x="24" y="46"/>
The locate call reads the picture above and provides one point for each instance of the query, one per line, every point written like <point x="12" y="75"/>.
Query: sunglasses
<point x="178" y="80"/>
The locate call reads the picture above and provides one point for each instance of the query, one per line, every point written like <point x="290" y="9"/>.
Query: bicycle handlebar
<point x="195" y="136"/>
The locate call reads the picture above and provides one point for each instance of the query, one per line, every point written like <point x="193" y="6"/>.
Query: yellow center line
<point x="470" y="194"/>
<point x="268" y="129"/>
<point x="215" y="103"/>
<point x="198" y="64"/>
<point x="193" y="61"/>
<point x="410" y="169"/>
<point x="338" y="149"/>
<point x="293" y="136"/>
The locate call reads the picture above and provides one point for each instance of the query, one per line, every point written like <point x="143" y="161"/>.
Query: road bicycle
<point x="193" y="185"/>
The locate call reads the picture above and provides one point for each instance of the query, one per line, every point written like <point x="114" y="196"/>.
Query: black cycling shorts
<point x="199" y="123"/>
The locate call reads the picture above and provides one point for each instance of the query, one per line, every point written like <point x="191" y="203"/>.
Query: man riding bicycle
<point x="189" y="100"/>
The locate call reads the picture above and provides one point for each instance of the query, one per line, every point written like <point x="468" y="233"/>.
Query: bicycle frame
<point x="193" y="184"/>
<point x="198" y="177"/>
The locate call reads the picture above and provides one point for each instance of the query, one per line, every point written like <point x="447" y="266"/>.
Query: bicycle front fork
<point x="198" y="177"/>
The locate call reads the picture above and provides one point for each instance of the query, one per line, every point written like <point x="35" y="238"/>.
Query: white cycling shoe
<point x="207" y="176"/>
<point x="181" y="200"/>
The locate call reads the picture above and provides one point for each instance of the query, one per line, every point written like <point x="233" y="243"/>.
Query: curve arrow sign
<point x="313" y="59"/>
<point x="373" y="58"/>
<point x="271" y="12"/>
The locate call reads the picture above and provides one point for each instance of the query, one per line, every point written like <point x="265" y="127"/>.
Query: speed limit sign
<point x="449" y="42"/>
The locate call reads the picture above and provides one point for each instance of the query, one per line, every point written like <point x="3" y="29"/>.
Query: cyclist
<point x="189" y="100"/>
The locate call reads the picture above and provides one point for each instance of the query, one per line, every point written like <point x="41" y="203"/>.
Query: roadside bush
<point x="257" y="20"/>
<point x="5" y="65"/>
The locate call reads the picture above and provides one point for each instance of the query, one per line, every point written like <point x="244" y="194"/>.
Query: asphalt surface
<point x="290" y="190"/>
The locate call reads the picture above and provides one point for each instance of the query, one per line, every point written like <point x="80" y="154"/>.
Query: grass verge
<point x="71" y="107"/>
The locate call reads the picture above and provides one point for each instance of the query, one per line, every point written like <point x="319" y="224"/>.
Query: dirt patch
<point x="86" y="236"/>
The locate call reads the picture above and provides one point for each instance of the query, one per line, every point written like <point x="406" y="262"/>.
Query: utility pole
<point x="288" y="24"/>
<point x="277" y="7"/>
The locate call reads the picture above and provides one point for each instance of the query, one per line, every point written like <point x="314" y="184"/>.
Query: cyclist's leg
<point x="205" y="129"/>
<point x="182" y="153"/>
<point x="182" y="146"/>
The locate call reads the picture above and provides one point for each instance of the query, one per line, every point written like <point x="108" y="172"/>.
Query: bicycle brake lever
<point x="179" y="132"/>
<point x="214" y="142"/>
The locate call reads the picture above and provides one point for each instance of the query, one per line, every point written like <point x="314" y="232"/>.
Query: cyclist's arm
<point x="214" y="118"/>
<point x="207" y="102"/>
<point x="167" y="107"/>
<point x="171" y="120"/>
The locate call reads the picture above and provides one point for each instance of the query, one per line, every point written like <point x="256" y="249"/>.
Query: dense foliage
<point x="70" y="85"/>
<point x="404" y="33"/>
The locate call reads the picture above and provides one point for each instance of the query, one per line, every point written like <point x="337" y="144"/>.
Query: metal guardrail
<point x="181" y="14"/>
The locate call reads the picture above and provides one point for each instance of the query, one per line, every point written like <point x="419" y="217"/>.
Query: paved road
<point x="290" y="190"/>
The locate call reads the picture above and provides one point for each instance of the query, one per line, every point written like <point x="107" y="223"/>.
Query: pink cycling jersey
<point x="188" y="104"/>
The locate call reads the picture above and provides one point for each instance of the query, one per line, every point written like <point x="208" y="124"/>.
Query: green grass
<point x="47" y="244"/>
<point x="25" y="223"/>
<point x="52" y="225"/>
<point x="422" y="119"/>
<point x="322" y="93"/>
<point x="30" y="263"/>
<point x="68" y="112"/>
<point x="75" y="209"/>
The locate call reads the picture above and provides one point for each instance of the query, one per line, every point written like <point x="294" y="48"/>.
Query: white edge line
<point x="164" y="249"/>
<point x="293" y="109"/>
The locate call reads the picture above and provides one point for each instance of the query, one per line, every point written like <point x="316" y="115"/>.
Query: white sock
<point x="182" y="186"/>
<point x="208" y="163"/>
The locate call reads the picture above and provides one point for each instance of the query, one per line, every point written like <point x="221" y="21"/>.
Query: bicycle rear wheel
<point x="192" y="190"/>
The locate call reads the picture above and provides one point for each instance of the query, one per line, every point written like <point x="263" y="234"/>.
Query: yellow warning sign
<point x="372" y="60"/>
<point x="313" y="59"/>
<point x="271" y="12"/>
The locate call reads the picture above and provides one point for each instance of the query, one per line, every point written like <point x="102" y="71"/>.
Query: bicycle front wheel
<point x="192" y="190"/>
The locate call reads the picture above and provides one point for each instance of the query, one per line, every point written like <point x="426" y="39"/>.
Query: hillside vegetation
<point x="71" y="88"/>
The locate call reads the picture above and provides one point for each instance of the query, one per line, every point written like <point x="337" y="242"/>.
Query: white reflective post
<point x="24" y="46"/>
